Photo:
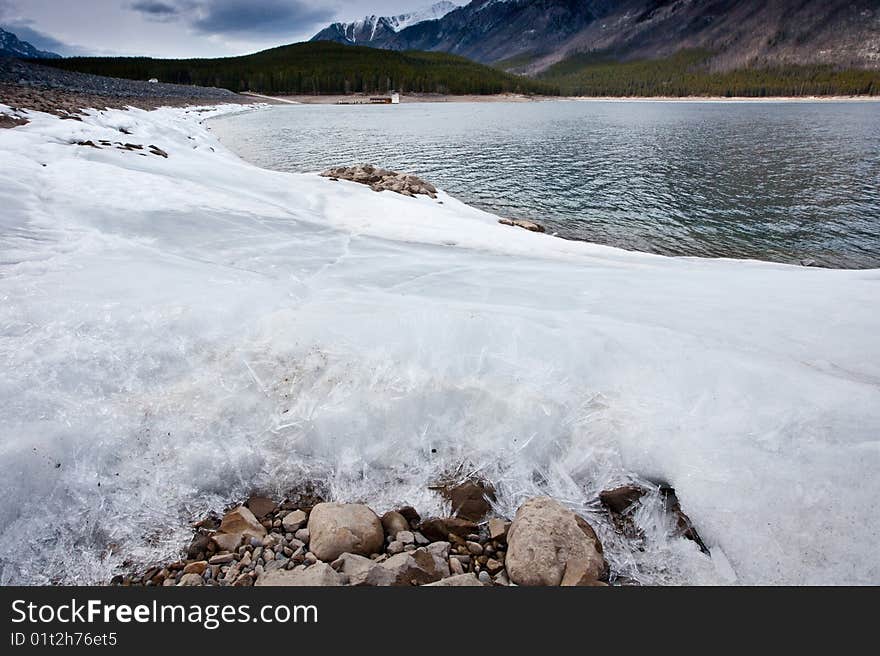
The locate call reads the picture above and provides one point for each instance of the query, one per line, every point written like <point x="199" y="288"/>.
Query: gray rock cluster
<point x="380" y="179"/>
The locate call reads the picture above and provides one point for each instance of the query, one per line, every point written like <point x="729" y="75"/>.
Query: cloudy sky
<point x="180" y="28"/>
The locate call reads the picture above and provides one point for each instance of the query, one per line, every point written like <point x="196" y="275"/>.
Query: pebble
<point x="474" y="547"/>
<point x="406" y="537"/>
<point x="302" y="535"/>
<point x="484" y="577"/>
<point x="395" y="547"/>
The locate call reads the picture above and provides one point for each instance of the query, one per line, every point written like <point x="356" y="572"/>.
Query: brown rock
<point x="338" y="528"/>
<point x="619" y="499"/>
<point x="545" y="540"/>
<point x="318" y="575"/>
<point x="237" y="524"/>
<point x="294" y="521"/>
<point x="440" y="528"/>
<point x="260" y="506"/>
<point x="197" y="567"/>
<point x="191" y="580"/>
<point x="393" y="523"/>
<point x="471" y="500"/>
<point x="459" y="581"/>
<point x="498" y="529"/>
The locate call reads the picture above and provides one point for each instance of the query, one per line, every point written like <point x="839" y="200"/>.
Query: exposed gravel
<point x="25" y="85"/>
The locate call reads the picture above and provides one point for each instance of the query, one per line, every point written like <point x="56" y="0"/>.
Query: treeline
<point x="318" y="68"/>
<point x="686" y="74"/>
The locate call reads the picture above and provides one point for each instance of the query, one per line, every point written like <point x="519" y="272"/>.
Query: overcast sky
<point x="180" y="28"/>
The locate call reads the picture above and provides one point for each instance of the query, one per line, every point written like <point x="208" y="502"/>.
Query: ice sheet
<point x="175" y="333"/>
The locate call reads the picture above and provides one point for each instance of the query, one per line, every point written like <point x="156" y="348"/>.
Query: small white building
<point x="395" y="98"/>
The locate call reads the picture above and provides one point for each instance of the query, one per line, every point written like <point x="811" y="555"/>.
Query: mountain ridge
<point x="738" y="33"/>
<point x="12" y="46"/>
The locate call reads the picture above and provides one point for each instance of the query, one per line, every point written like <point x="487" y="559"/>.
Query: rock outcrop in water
<point x="380" y="179"/>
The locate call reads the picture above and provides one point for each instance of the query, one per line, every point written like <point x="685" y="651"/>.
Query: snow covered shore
<point x="175" y="332"/>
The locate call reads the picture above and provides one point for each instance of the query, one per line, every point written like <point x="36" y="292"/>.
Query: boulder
<point x="460" y="581"/>
<point x="338" y="528"/>
<point x="237" y="524"/>
<point x="318" y="575"/>
<point x="545" y="540"/>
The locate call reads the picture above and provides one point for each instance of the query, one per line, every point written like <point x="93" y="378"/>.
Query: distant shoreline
<point x="333" y="99"/>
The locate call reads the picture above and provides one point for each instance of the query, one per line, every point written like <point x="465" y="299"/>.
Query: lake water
<point x="786" y="182"/>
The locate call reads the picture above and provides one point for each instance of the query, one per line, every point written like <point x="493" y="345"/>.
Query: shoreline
<point x="295" y="325"/>
<point x="406" y="99"/>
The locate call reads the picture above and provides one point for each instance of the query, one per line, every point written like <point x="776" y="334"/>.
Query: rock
<point x="237" y="524"/>
<point x="318" y="575"/>
<point x="493" y="566"/>
<point x="498" y="529"/>
<point x="484" y="578"/>
<point x="155" y="150"/>
<point x="393" y="522"/>
<point x="302" y="535"/>
<point x="337" y="528"/>
<point x="439" y="549"/>
<point x="380" y="179"/>
<point x="458" y="581"/>
<point x="395" y="547"/>
<point x="522" y="223"/>
<point x="222" y="559"/>
<point x="294" y="521"/>
<point x="455" y="566"/>
<point x="683" y="525"/>
<point x="470" y="500"/>
<point x="260" y="506"/>
<point x="406" y="537"/>
<point x="191" y="579"/>
<point x="362" y="571"/>
<point x="619" y="499"/>
<point x="410" y="514"/>
<point x="439" y="528"/>
<point x="197" y="567"/>
<point x="416" y="568"/>
<point x="199" y="545"/>
<point x="544" y="540"/>
<point x="474" y="547"/>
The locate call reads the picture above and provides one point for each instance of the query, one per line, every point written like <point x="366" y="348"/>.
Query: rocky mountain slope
<point x="12" y="46"/>
<point x="376" y="30"/>
<point x="531" y="35"/>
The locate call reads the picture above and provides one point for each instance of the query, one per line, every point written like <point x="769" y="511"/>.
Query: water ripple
<point x="772" y="181"/>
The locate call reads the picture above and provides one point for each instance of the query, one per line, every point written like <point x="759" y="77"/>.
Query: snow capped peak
<point x="434" y="12"/>
<point x="373" y="26"/>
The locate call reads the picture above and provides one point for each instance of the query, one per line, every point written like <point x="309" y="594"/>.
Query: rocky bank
<point x="306" y="541"/>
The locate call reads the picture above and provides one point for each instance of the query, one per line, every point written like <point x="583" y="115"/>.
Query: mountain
<point x="315" y="68"/>
<point x="531" y="35"/>
<point x="12" y="46"/>
<point x="377" y="30"/>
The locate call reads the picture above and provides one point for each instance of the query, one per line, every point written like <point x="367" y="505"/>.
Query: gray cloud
<point x="236" y="17"/>
<point x="156" y="10"/>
